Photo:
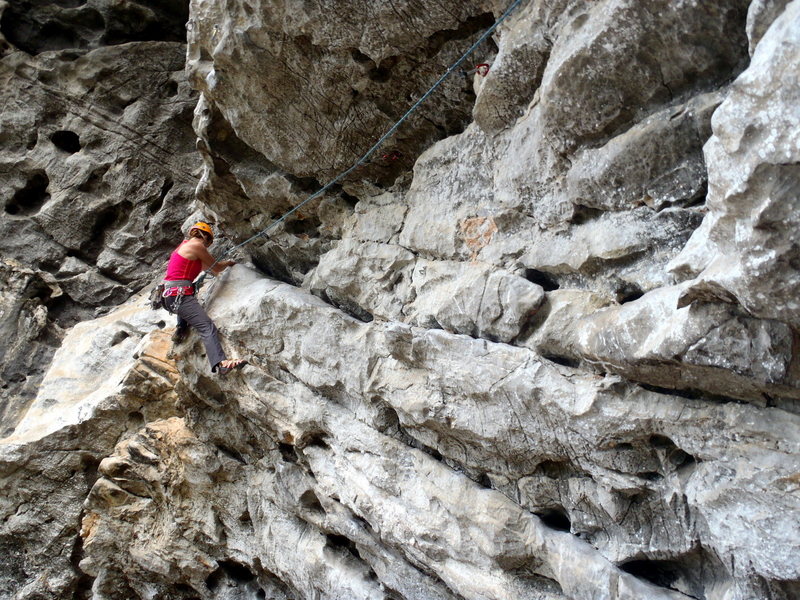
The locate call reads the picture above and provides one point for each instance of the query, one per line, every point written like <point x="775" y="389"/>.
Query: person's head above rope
<point x="203" y="231"/>
<point x="185" y="264"/>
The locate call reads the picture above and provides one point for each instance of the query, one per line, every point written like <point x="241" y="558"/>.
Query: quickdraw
<point x="167" y="293"/>
<point x="482" y="69"/>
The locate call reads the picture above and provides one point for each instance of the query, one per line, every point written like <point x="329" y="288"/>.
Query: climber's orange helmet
<point x="204" y="227"/>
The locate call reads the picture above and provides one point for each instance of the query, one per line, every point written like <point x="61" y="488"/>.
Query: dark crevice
<point x="674" y="457"/>
<point x="351" y="200"/>
<point x="359" y="56"/>
<point x="316" y="439"/>
<point x="170" y="89"/>
<point x="310" y="502"/>
<point x="691" y="394"/>
<point x="231" y="453"/>
<point x="658" y="572"/>
<point x="582" y="214"/>
<point x="470" y="27"/>
<point x="628" y="293"/>
<point x="697" y="200"/>
<point x="555" y="518"/>
<point x="246" y="519"/>
<point x="557" y="469"/>
<point x="399" y="432"/>
<point x="287" y="452"/>
<point x="688" y="394"/>
<point x="304" y="228"/>
<point x="273" y="269"/>
<point x="38" y="289"/>
<point x="547" y="281"/>
<point x="83" y="582"/>
<point x="484" y="481"/>
<point x="231" y="570"/>
<point x="284" y="260"/>
<point x="650" y="475"/>
<point x="383" y="71"/>
<point x="31" y="197"/>
<point x="660" y="441"/>
<point x="308" y="185"/>
<point x="156" y="204"/>
<point x="564" y="361"/>
<point x="694" y="573"/>
<point x="342" y="542"/>
<point x="386" y="419"/>
<point x="363" y="522"/>
<point x="346" y="306"/>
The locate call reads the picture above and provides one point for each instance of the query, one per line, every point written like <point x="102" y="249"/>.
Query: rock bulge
<point x="543" y="345"/>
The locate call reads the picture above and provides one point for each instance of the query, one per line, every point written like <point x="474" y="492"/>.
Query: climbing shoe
<point x="232" y="364"/>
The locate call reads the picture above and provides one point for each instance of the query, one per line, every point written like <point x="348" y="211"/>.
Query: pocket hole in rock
<point x="343" y="542"/>
<point x="119" y="337"/>
<point x="629" y="293"/>
<point x="310" y="501"/>
<point x="555" y="518"/>
<point x="68" y="141"/>
<point x="30" y="198"/>
<point x="287" y="452"/>
<point x="484" y="480"/>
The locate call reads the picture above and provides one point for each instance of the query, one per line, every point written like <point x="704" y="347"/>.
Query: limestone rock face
<point x="37" y="27"/>
<point x="29" y="339"/>
<point x="390" y="447"/>
<point x="754" y="179"/>
<point x="366" y="61"/>
<point x="97" y="166"/>
<point x="542" y="345"/>
<point x="109" y="377"/>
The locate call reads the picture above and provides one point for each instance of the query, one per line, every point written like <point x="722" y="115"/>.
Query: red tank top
<point x="181" y="268"/>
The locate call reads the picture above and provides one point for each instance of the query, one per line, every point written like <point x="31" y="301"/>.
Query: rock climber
<point x="185" y="263"/>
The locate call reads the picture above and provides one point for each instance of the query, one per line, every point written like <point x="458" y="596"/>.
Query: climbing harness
<point x="198" y="282"/>
<point x="177" y="289"/>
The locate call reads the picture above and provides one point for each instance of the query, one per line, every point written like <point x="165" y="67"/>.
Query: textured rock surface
<point x="110" y="376"/>
<point x="543" y="346"/>
<point x="97" y="166"/>
<point x="746" y="250"/>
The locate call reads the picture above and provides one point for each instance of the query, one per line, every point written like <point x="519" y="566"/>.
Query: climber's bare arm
<point x="195" y="249"/>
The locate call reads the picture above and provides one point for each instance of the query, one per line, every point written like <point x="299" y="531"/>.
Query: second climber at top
<point x="185" y="263"/>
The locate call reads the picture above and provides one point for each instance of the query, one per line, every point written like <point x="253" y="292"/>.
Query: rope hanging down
<point x="199" y="281"/>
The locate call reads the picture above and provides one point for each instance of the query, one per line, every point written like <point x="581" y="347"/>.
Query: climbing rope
<point x="199" y="281"/>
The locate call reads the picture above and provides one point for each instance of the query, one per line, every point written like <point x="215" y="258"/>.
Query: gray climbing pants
<point x="191" y="313"/>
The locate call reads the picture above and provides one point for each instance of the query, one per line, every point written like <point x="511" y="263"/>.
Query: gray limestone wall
<point x="543" y="345"/>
